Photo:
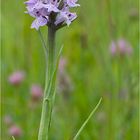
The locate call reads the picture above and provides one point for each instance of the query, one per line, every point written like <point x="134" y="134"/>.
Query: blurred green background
<point x="90" y="72"/>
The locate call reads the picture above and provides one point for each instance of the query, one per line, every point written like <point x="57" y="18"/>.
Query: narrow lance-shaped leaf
<point x="13" y="138"/>
<point x="86" y="121"/>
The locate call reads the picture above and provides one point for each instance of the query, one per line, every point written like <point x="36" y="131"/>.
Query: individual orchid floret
<point x="40" y="21"/>
<point x="65" y="18"/>
<point x="72" y="3"/>
<point x="51" y="8"/>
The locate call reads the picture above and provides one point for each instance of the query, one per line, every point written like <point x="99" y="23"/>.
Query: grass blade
<point x="13" y="138"/>
<point x="86" y="121"/>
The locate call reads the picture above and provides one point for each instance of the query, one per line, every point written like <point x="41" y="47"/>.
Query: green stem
<point x="48" y="94"/>
<point x="51" y="49"/>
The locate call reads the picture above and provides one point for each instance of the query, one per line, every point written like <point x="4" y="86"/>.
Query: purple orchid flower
<point x="41" y="10"/>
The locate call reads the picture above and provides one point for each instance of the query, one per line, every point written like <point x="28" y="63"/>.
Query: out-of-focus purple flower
<point x="121" y="47"/>
<point x="45" y="10"/>
<point x="36" y="92"/>
<point x="16" y="78"/>
<point x="113" y="48"/>
<point x="124" y="47"/>
<point x="15" y="131"/>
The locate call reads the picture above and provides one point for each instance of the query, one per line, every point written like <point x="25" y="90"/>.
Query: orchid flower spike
<point x="51" y="12"/>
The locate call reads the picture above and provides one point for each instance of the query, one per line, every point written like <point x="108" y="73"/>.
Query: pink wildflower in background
<point x="121" y="47"/>
<point x="16" y="77"/>
<point x="15" y="131"/>
<point x="36" y="92"/>
<point x="124" y="47"/>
